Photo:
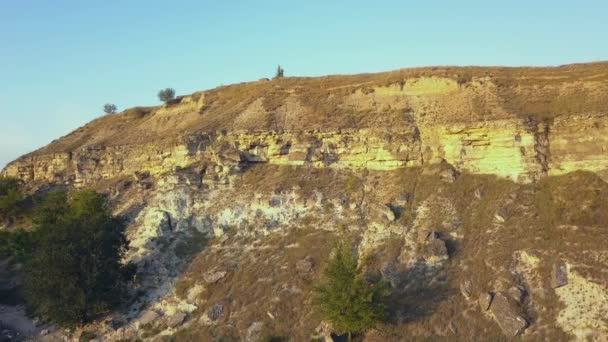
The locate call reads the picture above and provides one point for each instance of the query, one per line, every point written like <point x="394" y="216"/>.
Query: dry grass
<point x="350" y="101"/>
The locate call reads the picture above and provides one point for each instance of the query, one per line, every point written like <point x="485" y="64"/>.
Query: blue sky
<point x="60" y="60"/>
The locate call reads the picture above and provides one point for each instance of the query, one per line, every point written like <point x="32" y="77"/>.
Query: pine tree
<point x="345" y="299"/>
<point x="279" y="73"/>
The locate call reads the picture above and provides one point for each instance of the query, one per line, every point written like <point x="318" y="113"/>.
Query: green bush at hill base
<point x="75" y="271"/>
<point x="10" y="196"/>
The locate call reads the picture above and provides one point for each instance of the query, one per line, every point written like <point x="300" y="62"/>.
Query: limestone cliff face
<point x="516" y="149"/>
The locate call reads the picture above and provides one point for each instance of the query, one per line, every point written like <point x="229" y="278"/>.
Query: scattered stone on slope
<point x="434" y="249"/>
<point x="213" y="277"/>
<point x="215" y="312"/>
<point x="466" y="289"/>
<point x="485" y="300"/>
<point x="304" y="266"/>
<point x="254" y="332"/>
<point x="148" y="317"/>
<point x="508" y="315"/>
<point x="403" y="198"/>
<point x="176" y="319"/>
<point x="559" y="274"/>
<point x="386" y="212"/>
<point x="479" y="192"/>
<point x="517" y="293"/>
<point x="501" y="215"/>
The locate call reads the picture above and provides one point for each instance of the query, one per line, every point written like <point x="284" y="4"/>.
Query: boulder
<point x="304" y="266"/>
<point x="254" y="332"/>
<point x="508" y="315"/>
<point x="434" y="249"/>
<point x="559" y="274"/>
<point x="215" y="312"/>
<point x="478" y="193"/>
<point x="387" y="212"/>
<point x="148" y="317"/>
<point x="403" y="199"/>
<point x="466" y="289"/>
<point x="213" y="277"/>
<point x="176" y="319"/>
<point x="485" y="300"/>
<point x="501" y="215"/>
<point x="517" y="294"/>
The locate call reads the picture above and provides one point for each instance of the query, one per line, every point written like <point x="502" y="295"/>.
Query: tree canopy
<point x="75" y="271"/>
<point x="10" y="196"/>
<point x="166" y="94"/>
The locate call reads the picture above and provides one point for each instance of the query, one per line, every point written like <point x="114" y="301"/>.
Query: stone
<point x="478" y="193"/>
<point x="387" y="212"/>
<point x="517" y="294"/>
<point x="254" y="332"/>
<point x="466" y="289"/>
<point x="508" y="315"/>
<point x="501" y="215"/>
<point x="435" y="249"/>
<point x="176" y="319"/>
<point x="485" y="300"/>
<point x="403" y="198"/>
<point x="559" y="274"/>
<point x="215" y="312"/>
<point x="213" y="277"/>
<point x="304" y="266"/>
<point x="148" y="317"/>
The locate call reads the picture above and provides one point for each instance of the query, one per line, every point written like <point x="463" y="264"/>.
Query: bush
<point x="76" y="272"/>
<point x="17" y="244"/>
<point x="109" y="108"/>
<point x="345" y="299"/>
<point x="10" y="196"/>
<point x="279" y="73"/>
<point x="166" y="95"/>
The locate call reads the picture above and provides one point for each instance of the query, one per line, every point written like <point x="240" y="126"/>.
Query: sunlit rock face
<point x="520" y="150"/>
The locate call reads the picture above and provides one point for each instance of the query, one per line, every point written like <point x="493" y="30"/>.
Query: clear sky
<point x="60" y="60"/>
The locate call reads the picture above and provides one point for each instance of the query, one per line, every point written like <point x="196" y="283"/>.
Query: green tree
<point x="17" y="243"/>
<point x="280" y="72"/>
<point x="345" y="299"/>
<point x="10" y="196"/>
<point x="76" y="271"/>
<point x="166" y="94"/>
<point x="109" y="108"/>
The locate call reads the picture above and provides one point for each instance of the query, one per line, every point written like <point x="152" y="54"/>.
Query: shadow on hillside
<point x="157" y="270"/>
<point x="421" y="290"/>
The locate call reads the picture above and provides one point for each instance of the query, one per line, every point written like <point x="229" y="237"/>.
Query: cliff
<point x="479" y="193"/>
<point x="520" y="123"/>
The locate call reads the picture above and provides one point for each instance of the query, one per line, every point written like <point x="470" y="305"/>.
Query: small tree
<point x="345" y="299"/>
<point x="166" y="94"/>
<point x="279" y="73"/>
<point x="109" y="108"/>
<point x="10" y="196"/>
<point x="75" y="270"/>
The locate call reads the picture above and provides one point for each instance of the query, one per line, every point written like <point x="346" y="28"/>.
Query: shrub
<point x="76" y="272"/>
<point x="10" y="196"/>
<point x="109" y="108"/>
<point x="345" y="299"/>
<point x="17" y="244"/>
<point x="279" y="73"/>
<point x="166" y="95"/>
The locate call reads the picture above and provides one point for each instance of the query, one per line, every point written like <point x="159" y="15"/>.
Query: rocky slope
<point x="479" y="193"/>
